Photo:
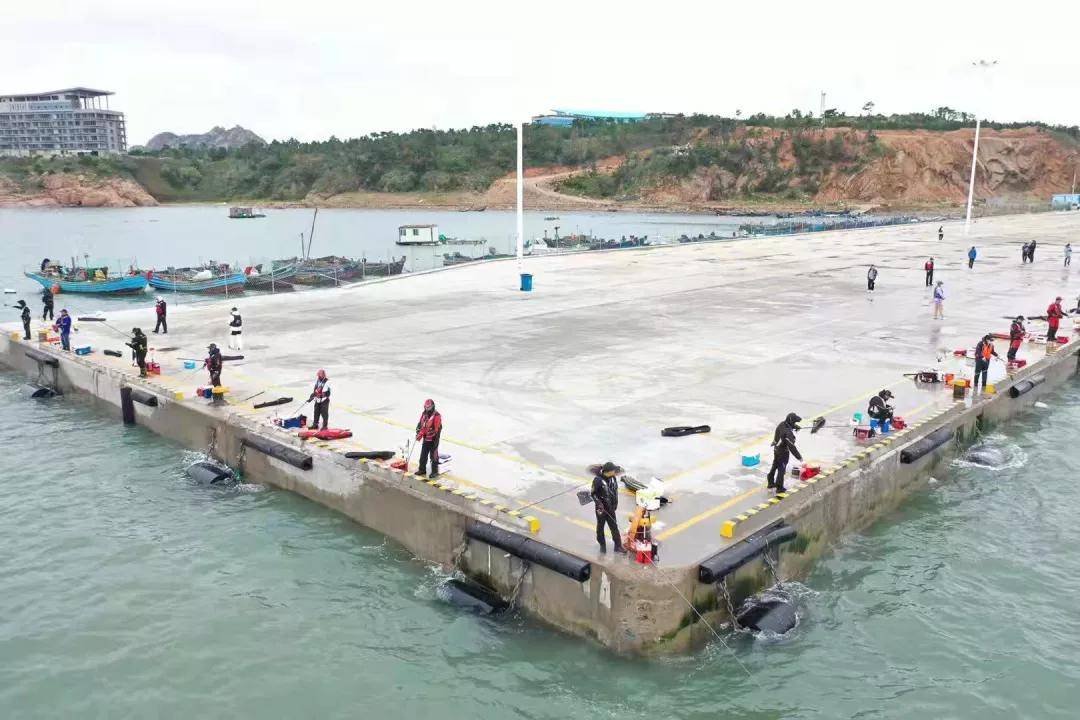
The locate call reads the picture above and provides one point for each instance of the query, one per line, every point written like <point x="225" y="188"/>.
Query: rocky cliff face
<point x="69" y="190"/>
<point x="217" y="137"/>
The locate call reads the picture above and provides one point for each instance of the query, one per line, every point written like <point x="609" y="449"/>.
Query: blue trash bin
<point x="526" y="282"/>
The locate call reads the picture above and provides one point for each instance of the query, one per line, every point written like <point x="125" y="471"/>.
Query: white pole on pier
<point x="520" y="198"/>
<point x="979" y="65"/>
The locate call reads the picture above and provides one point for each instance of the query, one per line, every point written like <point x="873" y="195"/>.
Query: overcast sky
<point x="318" y="68"/>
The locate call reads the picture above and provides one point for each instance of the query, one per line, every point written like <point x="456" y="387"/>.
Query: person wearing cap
<point x="879" y="408"/>
<point x="928" y="266"/>
<point x="783" y="445"/>
<point x="161" y="310"/>
<point x="983" y="352"/>
<point x="24" y="315"/>
<point x="428" y="430"/>
<point x="138" y="348"/>
<point x="321" y="396"/>
<point x="605" y="495"/>
<point x="236" y="325"/>
<point x="63" y="326"/>
<point x="1054" y="313"/>
<point x="1016" y="337"/>
<point x="213" y="364"/>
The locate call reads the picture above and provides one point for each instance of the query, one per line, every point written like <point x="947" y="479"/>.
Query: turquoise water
<point x="127" y="591"/>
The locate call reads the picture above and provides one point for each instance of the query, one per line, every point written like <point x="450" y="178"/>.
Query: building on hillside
<point x="1065" y="201"/>
<point x="73" y="121"/>
<point x="566" y="118"/>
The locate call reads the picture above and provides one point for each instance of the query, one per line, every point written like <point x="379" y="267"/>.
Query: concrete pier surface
<point x="610" y="348"/>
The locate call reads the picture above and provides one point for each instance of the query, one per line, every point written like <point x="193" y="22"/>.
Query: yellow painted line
<point x="675" y="529"/>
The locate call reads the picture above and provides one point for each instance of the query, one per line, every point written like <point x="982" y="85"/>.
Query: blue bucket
<point x="526" y="282"/>
<point x="189" y="364"/>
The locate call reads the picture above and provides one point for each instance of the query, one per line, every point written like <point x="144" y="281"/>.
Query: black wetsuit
<point x="783" y="449"/>
<point x="878" y="410"/>
<point x="213" y="364"/>
<point x="138" y="348"/>
<point x="47" y="302"/>
<point x="605" y="495"/>
<point x="26" y="321"/>
<point x="981" y="365"/>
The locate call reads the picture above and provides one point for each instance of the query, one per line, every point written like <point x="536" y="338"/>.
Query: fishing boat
<point x="382" y="269"/>
<point x="279" y="279"/>
<point x="244" y="213"/>
<point x="77" y="282"/>
<point x="325" y="271"/>
<point x="213" y="280"/>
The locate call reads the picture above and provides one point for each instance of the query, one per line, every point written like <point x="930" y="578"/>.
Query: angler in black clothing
<point x="138" y="348"/>
<point x="25" y="316"/>
<point x="983" y="352"/>
<point x="1031" y="251"/>
<point x="879" y="408"/>
<point x="213" y="364"/>
<point x="783" y="448"/>
<point x="47" y="302"/>
<point x="45" y="264"/>
<point x="605" y="495"/>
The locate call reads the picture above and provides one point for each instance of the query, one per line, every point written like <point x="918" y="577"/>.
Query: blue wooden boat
<point x="189" y="280"/>
<point x="119" y="284"/>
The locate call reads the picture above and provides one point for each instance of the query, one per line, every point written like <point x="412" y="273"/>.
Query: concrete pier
<point x="609" y="349"/>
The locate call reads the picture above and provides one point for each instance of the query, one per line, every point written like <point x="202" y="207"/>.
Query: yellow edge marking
<point x="675" y="529"/>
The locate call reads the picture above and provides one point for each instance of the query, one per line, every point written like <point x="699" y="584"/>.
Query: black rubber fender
<point x="114" y="353"/>
<point x="1025" y="386"/>
<point x="144" y="398"/>
<point x="272" y="403"/>
<point x="43" y="358"/>
<point x="472" y="596"/>
<point x="775" y="616"/>
<point x="370" y="455"/>
<point x="927" y="445"/>
<point x="91" y="319"/>
<point x="531" y="550"/>
<point x="727" y="561"/>
<point x="34" y="390"/>
<point x="209" y="473"/>
<point x="282" y="452"/>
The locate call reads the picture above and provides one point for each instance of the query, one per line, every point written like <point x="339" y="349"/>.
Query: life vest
<point x="429" y="426"/>
<point x="1053" y="315"/>
<point x="1016" y="335"/>
<point x="322" y="390"/>
<point x="928" y="266"/>
<point x="987" y="351"/>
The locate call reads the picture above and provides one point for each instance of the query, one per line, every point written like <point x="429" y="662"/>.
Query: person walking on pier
<point x="46" y="305"/>
<point x="213" y="364"/>
<point x="138" y="348"/>
<point x="929" y="268"/>
<point x="871" y="278"/>
<point x="1024" y="253"/>
<point x="428" y="431"/>
<point x="983" y="352"/>
<point x="24" y="315"/>
<point x="63" y="326"/>
<point x="605" y="495"/>
<point x="1016" y="337"/>
<point x="161" y="310"/>
<point x="939" y="301"/>
<point x="236" y="327"/>
<point x="972" y="254"/>
<point x="941" y="233"/>
<point x="1068" y="254"/>
<point x="1054" y="313"/>
<point x="783" y="445"/>
<point x="321" y="396"/>
<point x="1031" y="251"/>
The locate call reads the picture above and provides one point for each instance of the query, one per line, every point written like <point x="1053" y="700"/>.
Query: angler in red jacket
<point x="428" y="431"/>
<point x="321" y="395"/>
<point x="1054" y="313"/>
<point x="928" y="266"/>
<point x="1016" y="337"/>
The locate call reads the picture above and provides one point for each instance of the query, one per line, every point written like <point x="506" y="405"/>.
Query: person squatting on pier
<point x="1016" y="337"/>
<point x="24" y="315"/>
<point x="879" y="408"/>
<point x="161" y="310"/>
<point x="428" y="430"/>
<point x="983" y="352"/>
<point x="783" y="445"/>
<point x="236" y="326"/>
<point x="321" y="396"/>
<point x="213" y="364"/>
<point x="1054" y="313"/>
<point x="138" y="349"/>
<point x="63" y="326"/>
<point x="46" y="305"/>
<point x="605" y="495"/>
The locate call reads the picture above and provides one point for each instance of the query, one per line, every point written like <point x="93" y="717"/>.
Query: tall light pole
<point x="520" y="197"/>
<point x="981" y="65"/>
